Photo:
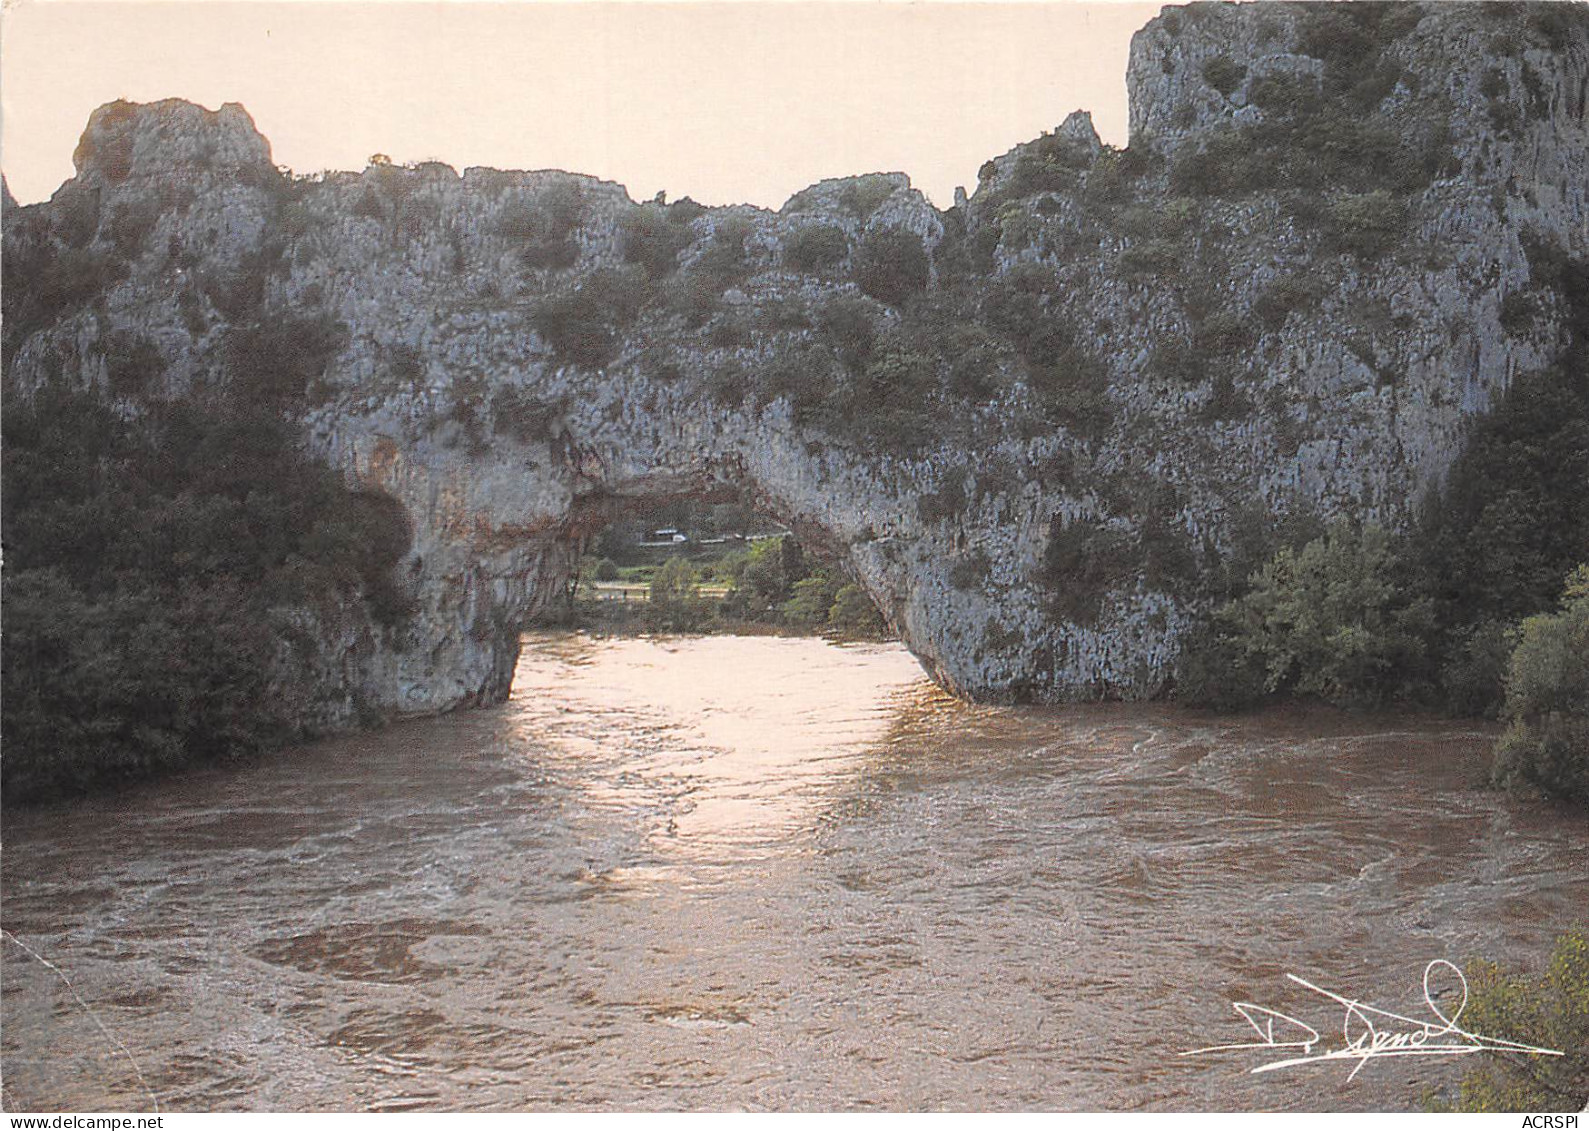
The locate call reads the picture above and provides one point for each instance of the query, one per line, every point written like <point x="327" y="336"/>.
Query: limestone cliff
<point x="1032" y="426"/>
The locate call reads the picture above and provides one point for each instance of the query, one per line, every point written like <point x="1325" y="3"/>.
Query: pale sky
<point x="729" y="101"/>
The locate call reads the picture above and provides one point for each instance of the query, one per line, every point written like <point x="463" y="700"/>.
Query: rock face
<point x="1032" y="427"/>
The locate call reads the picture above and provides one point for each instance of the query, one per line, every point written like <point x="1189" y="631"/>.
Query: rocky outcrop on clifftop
<point x="1032" y="426"/>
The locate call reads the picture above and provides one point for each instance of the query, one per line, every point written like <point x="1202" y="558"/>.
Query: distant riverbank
<point x="754" y="587"/>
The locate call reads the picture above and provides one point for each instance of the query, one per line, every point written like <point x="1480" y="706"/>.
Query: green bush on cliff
<point x="888" y="404"/>
<point x="1546" y="1011"/>
<point x="1072" y="391"/>
<point x="583" y="325"/>
<point x="1328" y="136"/>
<point x="1051" y="163"/>
<point x="1113" y="177"/>
<point x="1083" y="559"/>
<point x="723" y="261"/>
<point x="1327" y="149"/>
<point x="1222" y="334"/>
<point x="652" y="237"/>
<point x="132" y="362"/>
<point x="41" y="284"/>
<point x="1554" y="23"/>
<point x="281" y="357"/>
<point x="1365" y="224"/>
<point x="1286" y="294"/>
<point x="543" y="229"/>
<point x="1224" y="74"/>
<point x="849" y="325"/>
<point x="899" y="377"/>
<point x="815" y="247"/>
<point x="891" y="265"/>
<point x="864" y="195"/>
<point x="1546" y="745"/>
<point x="1015" y="308"/>
<point x="818" y="391"/>
<point x="1351" y="39"/>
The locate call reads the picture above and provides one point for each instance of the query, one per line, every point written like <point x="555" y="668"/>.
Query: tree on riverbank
<point x="675" y="600"/>
<point x="1546" y="745"/>
<point x="1335" y="620"/>
<point x="1550" y="1011"/>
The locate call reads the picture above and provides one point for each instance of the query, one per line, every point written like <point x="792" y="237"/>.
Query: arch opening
<point x="714" y="558"/>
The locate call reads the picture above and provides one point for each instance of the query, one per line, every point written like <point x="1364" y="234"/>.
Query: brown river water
<point x="736" y="872"/>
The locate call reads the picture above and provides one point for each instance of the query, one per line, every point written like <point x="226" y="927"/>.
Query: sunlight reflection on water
<point x="747" y="736"/>
<point x="757" y="872"/>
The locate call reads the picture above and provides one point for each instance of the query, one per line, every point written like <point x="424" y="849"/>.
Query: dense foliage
<point x="815" y="247"/>
<point x="1511" y="522"/>
<point x="1347" y="619"/>
<point x="891" y="265"/>
<point x="1547" y="1011"/>
<point x="150" y="565"/>
<point x="775" y="582"/>
<point x="1546" y="744"/>
<point x="1335" y="619"/>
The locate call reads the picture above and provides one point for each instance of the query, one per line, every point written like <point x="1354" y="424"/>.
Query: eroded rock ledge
<point x="1032" y="426"/>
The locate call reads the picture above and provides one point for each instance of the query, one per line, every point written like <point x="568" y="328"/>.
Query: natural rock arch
<point x="1029" y="440"/>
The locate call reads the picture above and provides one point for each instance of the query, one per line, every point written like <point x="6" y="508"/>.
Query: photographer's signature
<point x="1367" y="1032"/>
